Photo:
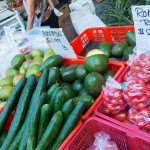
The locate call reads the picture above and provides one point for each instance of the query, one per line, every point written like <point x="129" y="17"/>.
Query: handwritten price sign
<point x="58" y="42"/>
<point x="141" y="18"/>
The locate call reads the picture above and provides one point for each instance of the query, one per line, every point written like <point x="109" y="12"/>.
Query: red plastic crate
<point x="112" y="35"/>
<point x="99" y="112"/>
<point x="124" y="138"/>
<point x="7" y="125"/>
<point x="71" y="135"/>
<point x="117" y="67"/>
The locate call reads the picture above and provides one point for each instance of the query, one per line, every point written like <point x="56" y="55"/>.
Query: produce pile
<point x="131" y="103"/>
<point x="119" y="51"/>
<point x="22" y="66"/>
<point x="49" y="98"/>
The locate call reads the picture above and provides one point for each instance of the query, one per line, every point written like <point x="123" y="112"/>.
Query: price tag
<point x="141" y="18"/>
<point x="58" y="42"/>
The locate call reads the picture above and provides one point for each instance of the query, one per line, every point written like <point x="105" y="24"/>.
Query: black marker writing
<point x="142" y="13"/>
<point x="146" y="22"/>
<point x="148" y="31"/>
<point x="141" y="31"/>
<point x="51" y="33"/>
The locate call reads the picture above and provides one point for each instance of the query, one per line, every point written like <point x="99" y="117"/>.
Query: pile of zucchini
<point x="43" y="118"/>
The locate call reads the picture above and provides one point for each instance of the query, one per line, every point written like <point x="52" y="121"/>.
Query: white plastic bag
<point x="36" y="39"/>
<point x="102" y="142"/>
<point x="6" y="55"/>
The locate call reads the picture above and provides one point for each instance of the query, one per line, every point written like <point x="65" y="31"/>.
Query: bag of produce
<point x="103" y="142"/>
<point x="139" y="67"/>
<point x="113" y="100"/>
<point x="140" y="117"/>
<point x="136" y="93"/>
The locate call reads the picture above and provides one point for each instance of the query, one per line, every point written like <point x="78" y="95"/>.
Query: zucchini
<point x="34" y="121"/>
<point x="12" y="102"/>
<point x="69" y="125"/>
<point x="51" y="131"/>
<point x="44" y="119"/>
<point x="41" y="87"/>
<point x="53" y="61"/>
<point x="67" y="108"/>
<point x="54" y="76"/>
<point x="59" y="100"/>
<point x="21" y="111"/>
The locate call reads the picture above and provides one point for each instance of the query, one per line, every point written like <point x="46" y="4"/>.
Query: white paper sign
<point x="58" y="42"/>
<point x="141" y="18"/>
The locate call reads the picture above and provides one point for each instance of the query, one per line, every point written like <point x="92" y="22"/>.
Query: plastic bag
<point x="102" y="142"/>
<point x="113" y="101"/>
<point x="140" y="117"/>
<point x="36" y="39"/>
<point x="136" y="93"/>
<point x="6" y="55"/>
<point x="139" y="67"/>
<point x="24" y="46"/>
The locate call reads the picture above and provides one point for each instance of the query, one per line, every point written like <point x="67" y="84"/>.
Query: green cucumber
<point x="52" y="99"/>
<point x="21" y="111"/>
<point x="44" y="119"/>
<point x="12" y="102"/>
<point x="31" y="142"/>
<point x="87" y="99"/>
<point x="59" y="101"/>
<point x="69" y="125"/>
<point x="2" y="137"/>
<point x="41" y="87"/>
<point x="51" y="131"/>
<point x="54" y="76"/>
<point x="15" y="144"/>
<point x="53" y="61"/>
<point x="67" y="108"/>
<point x="34" y="121"/>
<point x="50" y="91"/>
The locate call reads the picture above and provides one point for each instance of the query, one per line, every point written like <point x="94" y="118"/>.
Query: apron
<point x="37" y="20"/>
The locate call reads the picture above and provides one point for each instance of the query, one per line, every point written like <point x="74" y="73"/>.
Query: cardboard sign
<point x="141" y="18"/>
<point x="58" y="42"/>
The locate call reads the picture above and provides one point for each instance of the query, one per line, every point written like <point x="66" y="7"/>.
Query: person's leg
<point x="52" y="21"/>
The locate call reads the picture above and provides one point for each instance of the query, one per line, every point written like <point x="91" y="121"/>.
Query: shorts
<point x="52" y="21"/>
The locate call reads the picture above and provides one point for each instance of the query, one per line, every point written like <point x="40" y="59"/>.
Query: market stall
<point x="92" y="93"/>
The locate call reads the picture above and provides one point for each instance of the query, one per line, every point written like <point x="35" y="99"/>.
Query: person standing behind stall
<point x="41" y="13"/>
